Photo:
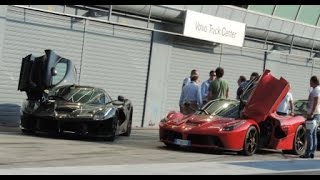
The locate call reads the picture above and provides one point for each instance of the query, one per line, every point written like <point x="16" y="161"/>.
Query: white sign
<point x="210" y="28"/>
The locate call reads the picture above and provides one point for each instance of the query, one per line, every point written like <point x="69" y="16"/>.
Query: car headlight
<point x="232" y="126"/>
<point x="98" y="116"/>
<point x="101" y="115"/>
<point x="168" y="116"/>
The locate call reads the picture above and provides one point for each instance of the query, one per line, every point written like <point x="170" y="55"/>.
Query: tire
<point x="27" y="131"/>
<point x="129" y="125"/>
<point x="171" y="146"/>
<point x="299" y="142"/>
<point x="250" y="144"/>
<point x="53" y="133"/>
<point x="114" y="130"/>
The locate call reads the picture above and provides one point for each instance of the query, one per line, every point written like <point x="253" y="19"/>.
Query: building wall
<point x="158" y="79"/>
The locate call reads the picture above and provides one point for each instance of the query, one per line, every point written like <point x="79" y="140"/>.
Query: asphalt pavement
<point x="141" y="153"/>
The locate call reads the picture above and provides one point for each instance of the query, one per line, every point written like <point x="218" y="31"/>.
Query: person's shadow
<point x="9" y="114"/>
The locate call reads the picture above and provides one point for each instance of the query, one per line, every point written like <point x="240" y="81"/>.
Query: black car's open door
<point x="43" y="73"/>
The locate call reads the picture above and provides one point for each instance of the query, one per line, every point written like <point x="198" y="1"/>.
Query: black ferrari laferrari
<point x="56" y="104"/>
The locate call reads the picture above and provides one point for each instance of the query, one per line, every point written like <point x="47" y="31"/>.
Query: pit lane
<point x="142" y="147"/>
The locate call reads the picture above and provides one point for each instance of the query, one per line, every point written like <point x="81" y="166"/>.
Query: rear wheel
<point x="129" y="125"/>
<point x="299" y="142"/>
<point x="250" y="144"/>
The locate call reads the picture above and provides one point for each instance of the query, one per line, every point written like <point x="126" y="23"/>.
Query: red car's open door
<point x="266" y="97"/>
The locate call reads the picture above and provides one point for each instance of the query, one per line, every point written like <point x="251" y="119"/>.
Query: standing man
<point x="190" y="97"/>
<point x="313" y="117"/>
<point x="242" y="86"/>
<point x="239" y="90"/>
<point x="205" y="86"/>
<point x="283" y="109"/>
<point x="219" y="88"/>
<point x="186" y="81"/>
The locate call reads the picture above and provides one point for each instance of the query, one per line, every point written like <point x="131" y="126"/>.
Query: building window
<point x="286" y="11"/>
<point x="309" y="14"/>
<point x="266" y="9"/>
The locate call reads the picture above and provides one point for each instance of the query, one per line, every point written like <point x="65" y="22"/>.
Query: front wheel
<point x="250" y="144"/>
<point x="114" y="130"/>
<point x="171" y="146"/>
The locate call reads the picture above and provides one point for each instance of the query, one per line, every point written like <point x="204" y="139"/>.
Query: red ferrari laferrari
<point x="243" y="126"/>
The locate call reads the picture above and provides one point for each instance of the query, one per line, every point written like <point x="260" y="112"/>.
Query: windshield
<point x="300" y="106"/>
<point x="221" y="107"/>
<point x="86" y="95"/>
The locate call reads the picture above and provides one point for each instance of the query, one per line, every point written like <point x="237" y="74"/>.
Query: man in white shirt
<point x="186" y="81"/>
<point x="190" y="98"/>
<point x="283" y="109"/>
<point x="205" y="86"/>
<point x="313" y="118"/>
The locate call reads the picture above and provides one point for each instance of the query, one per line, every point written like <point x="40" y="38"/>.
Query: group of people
<point x="195" y="94"/>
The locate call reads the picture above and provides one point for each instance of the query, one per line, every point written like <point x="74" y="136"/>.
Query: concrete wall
<point x="160" y="57"/>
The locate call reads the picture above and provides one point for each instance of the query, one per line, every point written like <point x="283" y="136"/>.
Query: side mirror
<point x="53" y="71"/>
<point x="120" y="98"/>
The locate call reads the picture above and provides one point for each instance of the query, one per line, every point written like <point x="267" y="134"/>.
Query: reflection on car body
<point x="300" y="107"/>
<point x="55" y="104"/>
<point x="242" y="126"/>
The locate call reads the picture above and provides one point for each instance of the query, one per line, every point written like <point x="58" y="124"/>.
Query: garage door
<point x="116" y="59"/>
<point x="316" y="68"/>
<point x="26" y="32"/>
<point x="187" y="54"/>
<point x="236" y="62"/>
<point x="296" y="70"/>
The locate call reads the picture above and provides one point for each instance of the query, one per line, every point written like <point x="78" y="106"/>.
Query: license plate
<point x="182" y="142"/>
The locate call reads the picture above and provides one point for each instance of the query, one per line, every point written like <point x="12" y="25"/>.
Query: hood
<point x="38" y="74"/>
<point x="192" y="119"/>
<point x="205" y="121"/>
<point x="67" y="109"/>
<point x="199" y="119"/>
<point x="265" y="97"/>
<point x="79" y="108"/>
<point x="199" y="122"/>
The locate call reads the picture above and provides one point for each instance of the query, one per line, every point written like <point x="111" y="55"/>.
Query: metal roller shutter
<point x="273" y="64"/>
<point x="296" y="70"/>
<point x="315" y="71"/>
<point x="187" y="54"/>
<point x="27" y="32"/>
<point x="315" y="68"/>
<point x="116" y="59"/>
<point x="238" y="62"/>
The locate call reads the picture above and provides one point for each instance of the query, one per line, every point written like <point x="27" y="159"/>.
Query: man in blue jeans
<point x="313" y="118"/>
